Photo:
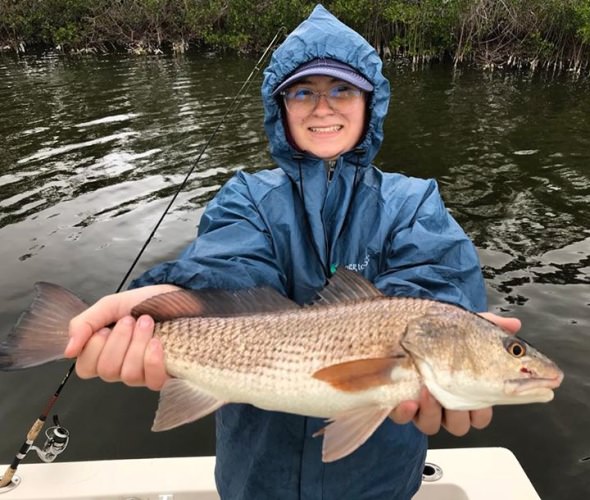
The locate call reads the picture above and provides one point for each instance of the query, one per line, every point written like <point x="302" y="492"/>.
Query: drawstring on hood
<point x="299" y="158"/>
<point x="358" y="152"/>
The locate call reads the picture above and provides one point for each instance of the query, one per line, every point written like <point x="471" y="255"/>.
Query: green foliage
<point x="487" y="32"/>
<point x="423" y="28"/>
<point x="581" y="12"/>
<point x="249" y="25"/>
<point x="51" y="22"/>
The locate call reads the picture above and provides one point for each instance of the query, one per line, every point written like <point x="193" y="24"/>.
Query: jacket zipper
<point x="330" y="167"/>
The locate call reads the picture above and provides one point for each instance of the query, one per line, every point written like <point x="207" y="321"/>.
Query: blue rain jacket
<point x="261" y="229"/>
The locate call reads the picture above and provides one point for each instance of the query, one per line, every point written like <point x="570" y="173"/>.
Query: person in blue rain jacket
<point x="324" y="205"/>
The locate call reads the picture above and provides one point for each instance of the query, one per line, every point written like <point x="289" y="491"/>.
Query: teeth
<point x="334" y="128"/>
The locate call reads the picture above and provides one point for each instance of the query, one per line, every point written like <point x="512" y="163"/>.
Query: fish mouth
<point x="534" y="386"/>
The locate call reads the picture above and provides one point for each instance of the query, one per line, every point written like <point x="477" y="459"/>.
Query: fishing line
<point x="35" y="429"/>
<point x="232" y="107"/>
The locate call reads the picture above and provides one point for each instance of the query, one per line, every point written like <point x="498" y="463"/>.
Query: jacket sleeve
<point x="430" y="256"/>
<point x="233" y="248"/>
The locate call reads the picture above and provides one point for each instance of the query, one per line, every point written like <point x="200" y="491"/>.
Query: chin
<point x="326" y="154"/>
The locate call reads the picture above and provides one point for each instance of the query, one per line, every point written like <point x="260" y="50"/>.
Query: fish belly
<point x="298" y="393"/>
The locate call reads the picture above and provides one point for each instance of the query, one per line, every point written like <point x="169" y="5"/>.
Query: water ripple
<point x="50" y="152"/>
<point x="109" y="119"/>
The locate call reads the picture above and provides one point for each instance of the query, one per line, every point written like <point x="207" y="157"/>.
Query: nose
<point x="322" y="105"/>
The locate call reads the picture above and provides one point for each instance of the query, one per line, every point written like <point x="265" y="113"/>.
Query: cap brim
<point x="341" y="74"/>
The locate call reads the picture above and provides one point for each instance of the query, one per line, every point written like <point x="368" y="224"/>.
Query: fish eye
<point x="517" y="349"/>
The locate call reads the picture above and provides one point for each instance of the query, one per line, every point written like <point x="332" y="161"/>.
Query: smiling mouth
<point x="326" y="130"/>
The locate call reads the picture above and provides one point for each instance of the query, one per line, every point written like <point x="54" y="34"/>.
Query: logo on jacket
<point x="358" y="267"/>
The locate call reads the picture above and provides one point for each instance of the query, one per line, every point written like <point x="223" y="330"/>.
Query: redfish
<point x="351" y="357"/>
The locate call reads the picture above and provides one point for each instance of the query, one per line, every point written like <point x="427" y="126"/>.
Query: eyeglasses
<point x="303" y="100"/>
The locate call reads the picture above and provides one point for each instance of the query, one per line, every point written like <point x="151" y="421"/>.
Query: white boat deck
<point x="467" y="474"/>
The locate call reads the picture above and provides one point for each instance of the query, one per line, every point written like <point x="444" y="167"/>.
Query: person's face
<point x="325" y="127"/>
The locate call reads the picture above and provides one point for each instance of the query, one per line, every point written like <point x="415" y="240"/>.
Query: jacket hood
<point x="322" y="35"/>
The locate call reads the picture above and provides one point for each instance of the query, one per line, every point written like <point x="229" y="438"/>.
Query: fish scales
<point x="263" y="357"/>
<point x="307" y="339"/>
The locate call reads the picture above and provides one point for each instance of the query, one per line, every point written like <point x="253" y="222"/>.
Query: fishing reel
<point x="57" y="438"/>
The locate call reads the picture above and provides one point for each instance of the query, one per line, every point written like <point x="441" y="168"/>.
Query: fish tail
<point x="41" y="333"/>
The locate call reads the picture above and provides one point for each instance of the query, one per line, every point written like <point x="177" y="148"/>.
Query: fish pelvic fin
<point x="349" y="430"/>
<point x="360" y="375"/>
<point x="41" y="333"/>
<point x="181" y="403"/>
<point x="213" y="302"/>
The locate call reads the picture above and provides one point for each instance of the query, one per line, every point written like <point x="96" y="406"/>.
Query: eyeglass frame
<point x="318" y="95"/>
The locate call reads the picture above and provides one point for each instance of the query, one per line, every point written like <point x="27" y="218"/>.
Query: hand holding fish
<point x="127" y="352"/>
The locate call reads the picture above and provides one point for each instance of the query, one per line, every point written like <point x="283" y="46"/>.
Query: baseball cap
<point x="327" y="67"/>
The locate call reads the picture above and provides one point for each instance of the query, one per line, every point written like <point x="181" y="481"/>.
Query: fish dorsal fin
<point x="360" y="375"/>
<point x="346" y="286"/>
<point x="213" y="302"/>
<point x="349" y="430"/>
<point x="181" y="403"/>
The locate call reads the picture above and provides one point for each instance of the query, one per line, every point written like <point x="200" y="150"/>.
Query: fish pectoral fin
<point x="349" y="430"/>
<point x="181" y="403"/>
<point x="360" y="374"/>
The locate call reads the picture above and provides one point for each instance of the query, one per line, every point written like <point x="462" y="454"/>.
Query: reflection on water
<point x="93" y="149"/>
<point x="79" y="127"/>
<point x="512" y="157"/>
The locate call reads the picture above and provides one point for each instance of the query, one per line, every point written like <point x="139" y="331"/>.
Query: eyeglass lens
<point x="304" y="100"/>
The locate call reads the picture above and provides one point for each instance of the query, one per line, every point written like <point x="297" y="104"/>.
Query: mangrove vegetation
<point x="553" y="34"/>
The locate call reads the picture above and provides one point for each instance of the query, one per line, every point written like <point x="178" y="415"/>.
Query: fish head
<point x="467" y="362"/>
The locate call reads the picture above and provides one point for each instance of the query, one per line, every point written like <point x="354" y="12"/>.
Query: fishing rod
<point x="58" y="438"/>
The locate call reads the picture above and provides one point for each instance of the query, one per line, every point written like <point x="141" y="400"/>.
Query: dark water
<point x="92" y="149"/>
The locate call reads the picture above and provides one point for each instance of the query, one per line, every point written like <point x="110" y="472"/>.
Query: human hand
<point x="427" y="413"/>
<point x="510" y="325"/>
<point x="126" y="352"/>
